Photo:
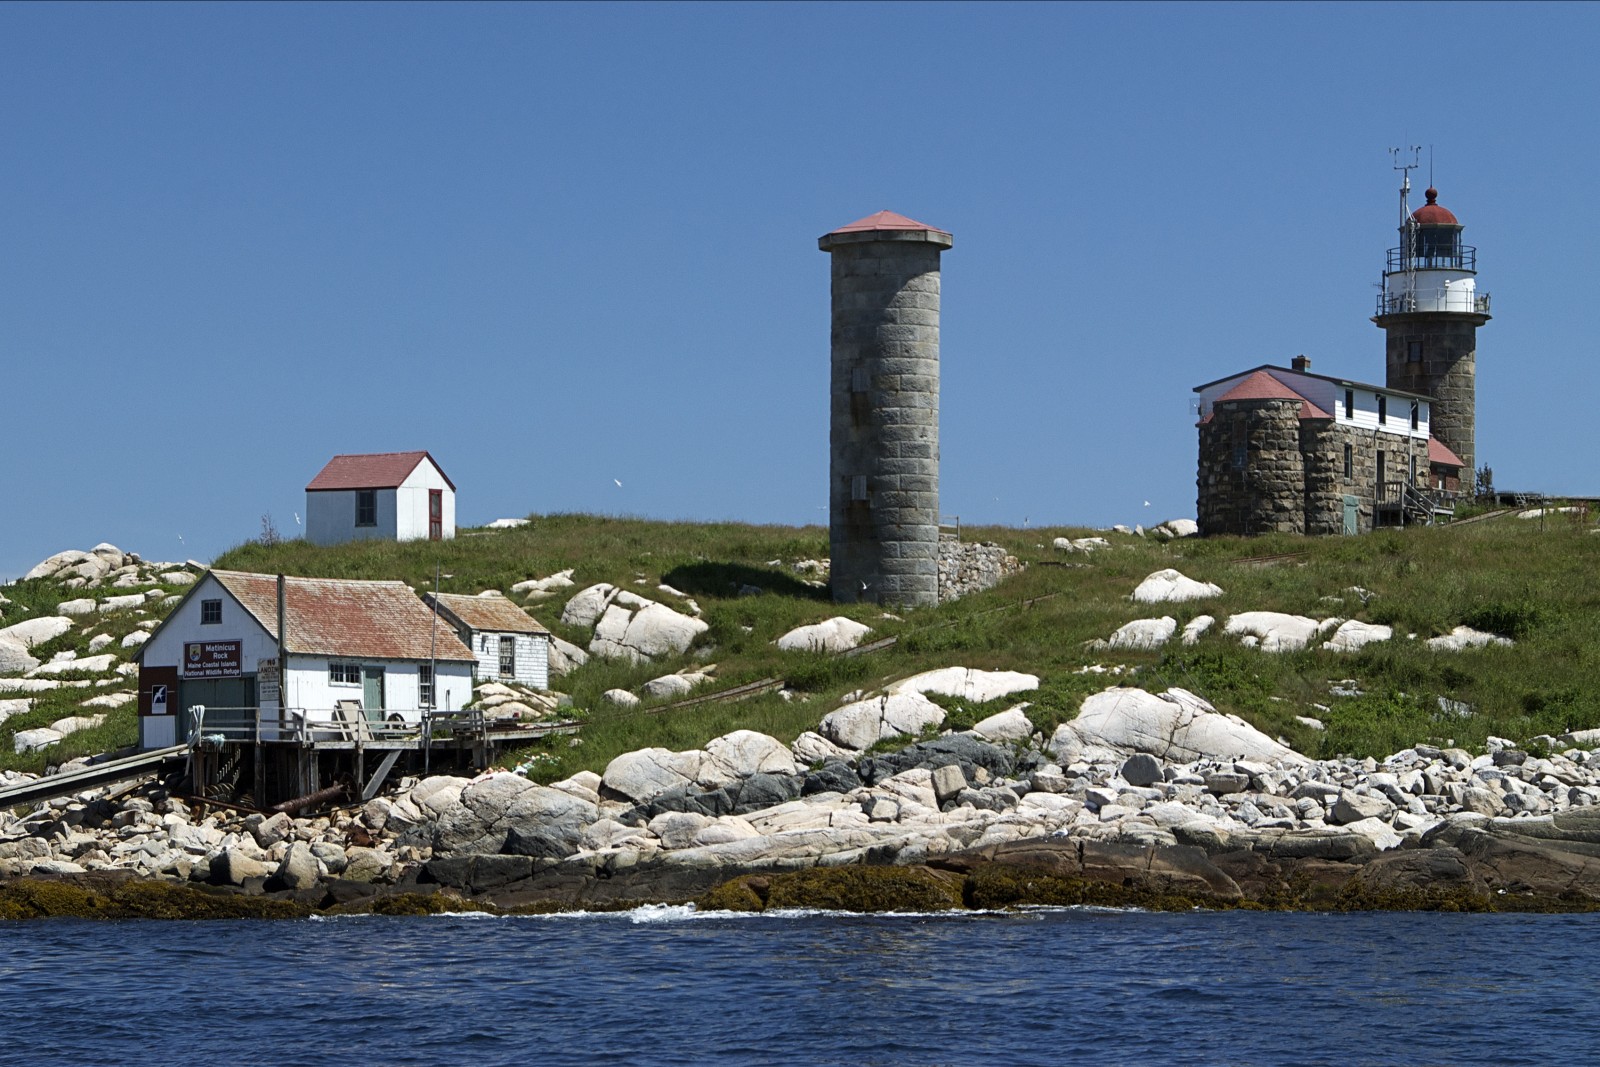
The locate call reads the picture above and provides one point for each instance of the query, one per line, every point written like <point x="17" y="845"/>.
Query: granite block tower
<point x="883" y="493"/>
<point x="1430" y="309"/>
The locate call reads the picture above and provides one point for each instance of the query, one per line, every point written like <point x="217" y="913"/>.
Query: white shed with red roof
<point x="388" y="496"/>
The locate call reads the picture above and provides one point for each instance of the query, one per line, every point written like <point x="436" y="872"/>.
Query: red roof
<point x="378" y="470"/>
<point x="886" y="220"/>
<point x="1441" y="456"/>
<point x="1432" y="214"/>
<point x="1260" y="385"/>
<point x="338" y="617"/>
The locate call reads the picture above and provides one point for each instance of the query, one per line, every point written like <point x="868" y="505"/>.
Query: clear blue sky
<point x="561" y="245"/>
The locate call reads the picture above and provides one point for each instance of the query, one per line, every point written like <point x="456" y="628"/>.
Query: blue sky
<point x="560" y="246"/>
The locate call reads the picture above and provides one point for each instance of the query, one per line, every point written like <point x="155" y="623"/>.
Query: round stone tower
<point x="1430" y="310"/>
<point x="883" y="474"/>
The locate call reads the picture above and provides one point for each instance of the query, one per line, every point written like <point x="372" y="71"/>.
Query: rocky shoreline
<point x="1145" y="800"/>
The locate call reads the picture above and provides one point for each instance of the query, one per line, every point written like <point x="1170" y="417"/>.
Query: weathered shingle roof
<point x="347" y="618"/>
<point x="491" y="614"/>
<point x="378" y="470"/>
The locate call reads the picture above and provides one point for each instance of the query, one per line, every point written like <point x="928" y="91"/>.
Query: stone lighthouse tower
<point x="883" y="474"/>
<point x="1430" y="309"/>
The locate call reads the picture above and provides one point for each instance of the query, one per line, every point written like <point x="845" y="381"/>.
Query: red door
<point x="435" y="514"/>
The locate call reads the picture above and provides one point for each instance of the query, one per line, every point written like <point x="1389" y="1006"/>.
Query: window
<point x="858" y="487"/>
<point x="1383" y="409"/>
<point x="425" y="685"/>
<point x="1413" y="351"/>
<point x="1349" y="403"/>
<point x="508" y="656"/>
<point x="860" y="380"/>
<point x="1416" y="415"/>
<point x="1241" y="446"/>
<point x="210" y="612"/>
<point x="366" y="507"/>
<point x="344" y="674"/>
<point x="1381" y="492"/>
<point x="1349" y="461"/>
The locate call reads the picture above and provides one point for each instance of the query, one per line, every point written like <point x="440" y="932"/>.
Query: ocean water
<point x="671" y="986"/>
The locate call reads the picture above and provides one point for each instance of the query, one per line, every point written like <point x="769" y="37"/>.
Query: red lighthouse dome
<point x="1432" y="213"/>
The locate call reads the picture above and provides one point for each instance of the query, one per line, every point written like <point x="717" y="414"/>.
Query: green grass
<point x="1502" y="574"/>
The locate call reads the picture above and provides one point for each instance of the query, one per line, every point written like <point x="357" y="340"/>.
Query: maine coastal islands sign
<point x="211" y="659"/>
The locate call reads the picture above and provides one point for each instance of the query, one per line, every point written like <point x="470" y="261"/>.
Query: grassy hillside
<point x="1503" y="575"/>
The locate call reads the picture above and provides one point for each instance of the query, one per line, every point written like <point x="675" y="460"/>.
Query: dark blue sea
<point x="668" y="986"/>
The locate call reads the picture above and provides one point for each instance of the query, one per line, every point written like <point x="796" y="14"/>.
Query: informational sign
<point x="211" y="659"/>
<point x="267" y="680"/>
<point x="158" y="700"/>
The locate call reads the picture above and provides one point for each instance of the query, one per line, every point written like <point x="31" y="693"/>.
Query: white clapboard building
<point x="386" y="496"/>
<point x="509" y="644"/>
<point x="372" y="645"/>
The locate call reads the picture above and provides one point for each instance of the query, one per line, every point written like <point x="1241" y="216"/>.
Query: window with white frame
<point x="344" y="673"/>
<point x="508" y="656"/>
<point x="425" y="685"/>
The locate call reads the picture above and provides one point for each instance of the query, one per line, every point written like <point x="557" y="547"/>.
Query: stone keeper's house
<point x="1285" y="450"/>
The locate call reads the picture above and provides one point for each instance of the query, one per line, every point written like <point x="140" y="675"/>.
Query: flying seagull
<point x="618" y="481"/>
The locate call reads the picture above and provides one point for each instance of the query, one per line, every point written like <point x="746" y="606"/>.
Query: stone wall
<point x="1447" y="372"/>
<point x="1251" y="476"/>
<point x="884" y="417"/>
<point x="965" y="569"/>
<point x="1292" y="479"/>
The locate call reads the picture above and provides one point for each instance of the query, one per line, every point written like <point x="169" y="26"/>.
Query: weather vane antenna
<point x="1399" y="155"/>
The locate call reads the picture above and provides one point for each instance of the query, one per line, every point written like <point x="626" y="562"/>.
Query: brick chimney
<point x="1301" y="363"/>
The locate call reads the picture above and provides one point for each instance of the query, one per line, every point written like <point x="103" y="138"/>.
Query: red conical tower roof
<point x="886" y="220"/>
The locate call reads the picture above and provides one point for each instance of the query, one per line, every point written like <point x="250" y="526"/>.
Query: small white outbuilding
<point x="388" y="496"/>
<point x="509" y="644"/>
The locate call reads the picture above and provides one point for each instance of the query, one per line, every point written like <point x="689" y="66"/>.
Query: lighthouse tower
<point x="1430" y="310"/>
<point x="883" y="472"/>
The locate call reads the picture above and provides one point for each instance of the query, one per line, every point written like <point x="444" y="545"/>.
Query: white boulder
<point x="559" y="580"/>
<point x="1197" y="628"/>
<point x="1176" y="726"/>
<point x="1012" y="724"/>
<point x="33" y="740"/>
<point x="14" y="657"/>
<point x="652" y="631"/>
<point x="564" y="656"/>
<point x="1080" y="544"/>
<point x="742" y="753"/>
<point x="1170" y="586"/>
<point x="1352" y="636"/>
<point x="32" y="632"/>
<point x="837" y="634"/>
<point x="1273" y="631"/>
<point x="1464" y="637"/>
<point x="93" y="664"/>
<point x="650" y="772"/>
<point x="1177" y="528"/>
<point x="866" y="722"/>
<point x="1144" y="634"/>
<point x="978" y="686"/>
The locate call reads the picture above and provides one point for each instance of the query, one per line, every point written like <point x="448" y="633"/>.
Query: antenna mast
<point x="1408" y="229"/>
